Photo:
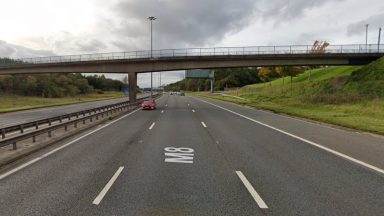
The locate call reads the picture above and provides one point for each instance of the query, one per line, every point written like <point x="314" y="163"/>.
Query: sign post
<point x="201" y="74"/>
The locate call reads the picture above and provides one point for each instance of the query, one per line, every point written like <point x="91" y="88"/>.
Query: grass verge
<point x="364" y="115"/>
<point x="348" y="96"/>
<point x="11" y="103"/>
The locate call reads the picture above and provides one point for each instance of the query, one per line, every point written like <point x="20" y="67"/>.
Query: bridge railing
<point x="195" y="52"/>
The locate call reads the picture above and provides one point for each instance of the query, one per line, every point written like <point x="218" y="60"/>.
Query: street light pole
<point x="378" y="44"/>
<point x="366" y="36"/>
<point x="151" y="18"/>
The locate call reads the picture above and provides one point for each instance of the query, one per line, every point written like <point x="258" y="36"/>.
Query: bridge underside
<point x="191" y="62"/>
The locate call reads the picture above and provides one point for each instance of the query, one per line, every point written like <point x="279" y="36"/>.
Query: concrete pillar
<point x="132" y="79"/>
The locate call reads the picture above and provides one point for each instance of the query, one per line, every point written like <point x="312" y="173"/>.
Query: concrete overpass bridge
<point x="194" y="58"/>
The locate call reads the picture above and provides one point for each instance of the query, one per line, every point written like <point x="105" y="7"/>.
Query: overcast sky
<point x="57" y="27"/>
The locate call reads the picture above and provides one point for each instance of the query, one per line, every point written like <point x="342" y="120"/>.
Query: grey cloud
<point x="90" y="45"/>
<point x="307" y="38"/>
<point x="16" y="51"/>
<point x="75" y="44"/>
<point x="357" y="28"/>
<point x="183" y="23"/>
<point x="284" y="10"/>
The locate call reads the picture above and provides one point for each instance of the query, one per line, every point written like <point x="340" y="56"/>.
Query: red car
<point x="148" y="104"/>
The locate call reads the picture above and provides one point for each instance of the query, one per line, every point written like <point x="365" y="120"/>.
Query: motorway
<point x="14" y="118"/>
<point x="194" y="156"/>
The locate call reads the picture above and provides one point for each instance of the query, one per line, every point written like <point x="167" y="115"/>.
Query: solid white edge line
<point x="302" y="139"/>
<point x="260" y="202"/>
<point x="61" y="147"/>
<point x="204" y="125"/>
<point x="153" y="124"/>
<point x="107" y="186"/>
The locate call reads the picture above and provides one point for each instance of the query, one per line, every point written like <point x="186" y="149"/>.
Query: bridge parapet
<point x="197" y="52"/>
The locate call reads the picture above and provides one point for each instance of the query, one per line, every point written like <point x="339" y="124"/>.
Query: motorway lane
<point x="149" y="186"/>
<point x="19" y="117"/>
<point x="292" y="177"/>
<point x="362" y="146"/>
<point x="66" y="182"/>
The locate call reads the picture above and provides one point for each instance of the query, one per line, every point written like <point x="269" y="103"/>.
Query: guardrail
<point x="72" y="119"/>
<point x="215" y="51"/>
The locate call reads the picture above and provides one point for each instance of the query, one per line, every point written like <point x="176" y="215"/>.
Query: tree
<point x="6" y="83"/>
<point x="292" y="71"/>
<point x="83" y="86"/>
<point x="319" y="46"/>
<point x="29" y="85"/>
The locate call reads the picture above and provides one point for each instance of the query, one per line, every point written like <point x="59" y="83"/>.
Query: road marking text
<point x="178" y="155"/>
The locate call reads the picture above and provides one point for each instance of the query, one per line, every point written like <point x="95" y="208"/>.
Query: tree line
<point x="236" y="77"/>
<point x="54" y="85"/>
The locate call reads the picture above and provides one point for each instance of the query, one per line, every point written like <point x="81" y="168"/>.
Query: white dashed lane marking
<point x="152" y="125"/>
<point x="252" y="190"/>
<point x="107" y="187"/>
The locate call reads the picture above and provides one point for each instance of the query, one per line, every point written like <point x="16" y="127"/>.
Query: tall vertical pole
<point x="366" y="37"/>
<point x="151" y="18"/>
<point x="151" y="37"/>
<point x="378" y="43"/>
<point x="151" y="58"/>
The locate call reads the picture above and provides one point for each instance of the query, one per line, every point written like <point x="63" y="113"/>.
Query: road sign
<point x="199" y="74"/>
<point x="125" y="90"/>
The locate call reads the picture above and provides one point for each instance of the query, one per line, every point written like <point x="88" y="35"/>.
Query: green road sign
<point x="199" y="74"/>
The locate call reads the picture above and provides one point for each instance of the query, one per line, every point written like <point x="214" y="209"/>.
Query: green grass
<point x="365" y="115"/>
<point x="312" y="75"/>
<point x="321" y="99"/>
<point x="10" y="103"/>
<point x="371" y="72"/>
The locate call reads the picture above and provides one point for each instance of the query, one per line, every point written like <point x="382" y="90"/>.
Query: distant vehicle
<point x="148" y="104"/>
<point x="177" y="93"/>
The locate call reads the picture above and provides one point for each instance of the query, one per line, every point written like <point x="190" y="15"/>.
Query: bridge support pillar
<point x="132" y="80"/>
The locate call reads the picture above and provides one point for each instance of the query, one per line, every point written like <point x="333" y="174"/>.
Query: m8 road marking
<point x="178" y="155"/>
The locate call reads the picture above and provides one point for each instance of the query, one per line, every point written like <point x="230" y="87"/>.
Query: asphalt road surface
<point x="19" y="117"/>
<point x="196" y="156"/>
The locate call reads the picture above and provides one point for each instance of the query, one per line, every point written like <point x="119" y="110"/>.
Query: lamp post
<point x="151" y="19"/>
<point x="366" y="37"/>
<point x="378" y="43"/>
